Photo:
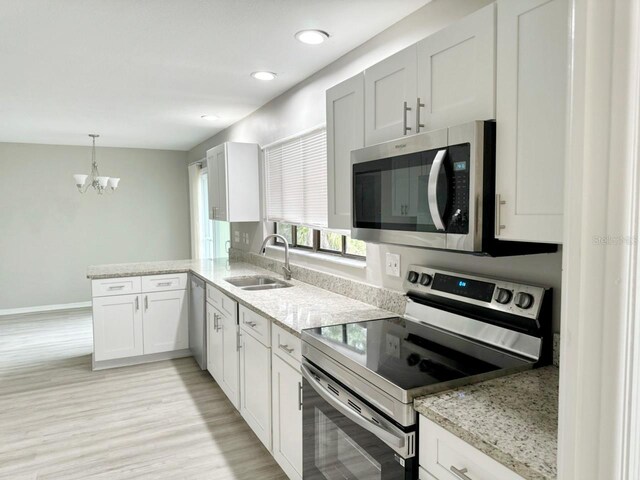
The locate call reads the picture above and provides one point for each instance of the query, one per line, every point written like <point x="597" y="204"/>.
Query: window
<point x="296" y="195"/>
<point x="352" y="335"/>
<point x="318" y="240"/>
<point x="296" y="181"/>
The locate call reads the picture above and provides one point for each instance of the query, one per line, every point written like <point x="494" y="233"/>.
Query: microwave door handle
<point x="390" y="438"/>
<point x="432" y="189"/>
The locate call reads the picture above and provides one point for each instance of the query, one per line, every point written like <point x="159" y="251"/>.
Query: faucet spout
<point x="286" y="269"/>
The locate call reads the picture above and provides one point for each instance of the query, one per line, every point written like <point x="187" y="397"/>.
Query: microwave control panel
<point x="459" y="166"/>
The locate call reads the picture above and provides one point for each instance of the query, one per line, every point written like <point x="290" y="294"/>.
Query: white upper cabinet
<point x="345" y="132"/>
<point x="234" y="185"/>
<point x="456" y="73"/>
<point x="532" y="76"/>
<point x="390" y="92"/>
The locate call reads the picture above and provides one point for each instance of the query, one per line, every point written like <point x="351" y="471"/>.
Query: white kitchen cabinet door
<point x="255" y="386"/>
<point x="387" y="86"/>
<point x="216" y="177"/>
<point x="234" y="185"/>
<point x="165" y="321"/>
<point x="345" y="132"/>
<point x="532" y="77"/>
<point x="117" y="327"/>
<point x="229" y="379"/>
<point x="456" y="72"/>
<point x="215" y="351"/>
<point x="287" y="417"/>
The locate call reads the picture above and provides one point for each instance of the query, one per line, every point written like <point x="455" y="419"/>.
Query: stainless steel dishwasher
<point x="197" y="322"/>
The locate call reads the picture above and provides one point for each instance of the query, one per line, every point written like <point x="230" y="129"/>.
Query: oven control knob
<point x="412" y="277"/>
<point x="503" y="296"/>
<point x="524" y="300"/>
<point x="425" y="279"/>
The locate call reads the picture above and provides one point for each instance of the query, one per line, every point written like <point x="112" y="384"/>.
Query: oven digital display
<point x="464" y="287"/>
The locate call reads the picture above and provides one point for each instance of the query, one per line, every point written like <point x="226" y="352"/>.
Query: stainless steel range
<point x="360" y="379"/>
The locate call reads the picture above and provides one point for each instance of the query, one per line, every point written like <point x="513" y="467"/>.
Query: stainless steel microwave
<point x="432" y="190"/>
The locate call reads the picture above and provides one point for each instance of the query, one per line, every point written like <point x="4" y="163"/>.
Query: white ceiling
<point x="142" y="72"/>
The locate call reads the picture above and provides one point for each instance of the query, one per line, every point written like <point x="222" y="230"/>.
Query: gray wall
<point x="304" y="107"/>
<point x="50" y="233"/>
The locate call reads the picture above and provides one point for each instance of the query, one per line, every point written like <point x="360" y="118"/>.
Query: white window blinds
<point x="296" y="179"/>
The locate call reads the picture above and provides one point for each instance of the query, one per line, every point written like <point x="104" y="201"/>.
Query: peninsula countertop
<point x="512" y="419"/>
<point x="297" y="308"/>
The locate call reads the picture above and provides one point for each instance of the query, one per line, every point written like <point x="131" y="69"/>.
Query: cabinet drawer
<point x="257" y="325"/>
<point x="161" y="283"/>
<point x="115" y="286"/>
<point x="441" y="453"/>
<point x="286" y="345"/>
<point x="219" y="300"/>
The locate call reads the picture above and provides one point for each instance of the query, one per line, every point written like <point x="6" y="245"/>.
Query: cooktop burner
<point x="404" y="352"/>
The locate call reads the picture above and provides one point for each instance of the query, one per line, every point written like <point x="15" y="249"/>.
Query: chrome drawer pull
<point x="460" y="473"/>
<point x="116" y="287"/>
<point x="163" y="284"/>
<point x="146" y="302"/>
<point x="299" y="396"/>
<point x="406" y="128"/>
<point x="251" y="324"/>
<point x="137" y="303"/>
<point x="286" y="348"/>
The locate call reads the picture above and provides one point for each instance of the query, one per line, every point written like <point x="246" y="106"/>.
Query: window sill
<point x="294" y="253"/>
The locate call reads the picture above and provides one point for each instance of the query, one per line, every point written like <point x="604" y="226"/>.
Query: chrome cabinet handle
<point x="116" y="287"/>
<point x="215" y="322"/>
<point x="300" y="396"/>
<point x="499" y="226"/>
<point x="251" y="324"/>
<point x="406" y="128"/>
<point x="418" y="124"/>
<point x="432" y="190"/>
<point x="163" y="284"/>
<point x="286" y="348"/>
<point x="146" y="302"/>
<point x="137" y="303"/>
<point x="460" y="473"/>
<point x="238" y="335"/>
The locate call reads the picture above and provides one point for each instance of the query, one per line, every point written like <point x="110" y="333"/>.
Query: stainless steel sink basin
<point x="257" y="282"/>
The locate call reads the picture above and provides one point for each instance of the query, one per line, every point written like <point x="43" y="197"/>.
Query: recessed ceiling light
<point x="209" y="117"/>
<point x="312" y="37"/>
<point x="266" y="76"/>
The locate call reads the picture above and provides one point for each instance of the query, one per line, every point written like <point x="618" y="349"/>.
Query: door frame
<point x="599" y="410"/>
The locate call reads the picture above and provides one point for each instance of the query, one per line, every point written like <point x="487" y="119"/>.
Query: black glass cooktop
<point x="409" y="354"/>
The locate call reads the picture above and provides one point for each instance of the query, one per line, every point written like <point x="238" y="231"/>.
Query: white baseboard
<point x="44" y="308"/>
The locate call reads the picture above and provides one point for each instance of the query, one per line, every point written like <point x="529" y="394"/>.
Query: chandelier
<point x="99" y="183"/>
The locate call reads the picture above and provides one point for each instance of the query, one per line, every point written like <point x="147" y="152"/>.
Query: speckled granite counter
<point x="296" y="308"/>
<point x="512" y="419"/>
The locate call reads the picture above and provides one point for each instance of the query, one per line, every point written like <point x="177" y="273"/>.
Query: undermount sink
<point x="257" y="282"/>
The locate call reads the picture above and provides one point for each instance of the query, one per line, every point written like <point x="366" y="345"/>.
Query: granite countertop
<point x="512" y="419"/>
<point x="296" y="308"/>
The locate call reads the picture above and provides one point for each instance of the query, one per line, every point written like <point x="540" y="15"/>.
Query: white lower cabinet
<point x="117" y="327"/>
<point x="165" y="321"/>
<point x="286" y="387"/>
<point x="443" y="456"/>
<point x="222" y="349"/>
<point x="255" y="381"/>
<point x="133" y="316"/>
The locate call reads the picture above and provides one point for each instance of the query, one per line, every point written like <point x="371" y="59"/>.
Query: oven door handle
<point x="432" y="189"/>
<point x="390" y="438"/>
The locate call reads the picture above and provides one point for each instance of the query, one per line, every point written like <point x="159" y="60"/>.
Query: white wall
<point x="49" y="233"/>
<point x="303" y="107"/>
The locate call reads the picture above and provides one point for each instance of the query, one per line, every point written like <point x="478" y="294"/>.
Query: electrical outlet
<point x="393" y="264"/>
<point x="393" y="346"/>
<point x="236" y="236"/>
<point x="246" y="238"/>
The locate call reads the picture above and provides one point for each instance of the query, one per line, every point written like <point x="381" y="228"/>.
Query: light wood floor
<point x="60" y="420"/>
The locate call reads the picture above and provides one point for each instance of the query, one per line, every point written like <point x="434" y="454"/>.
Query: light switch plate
<point x="392" y="265"/>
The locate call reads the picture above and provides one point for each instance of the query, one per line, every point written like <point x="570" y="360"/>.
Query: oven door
<point x="345" y="440"/>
